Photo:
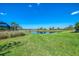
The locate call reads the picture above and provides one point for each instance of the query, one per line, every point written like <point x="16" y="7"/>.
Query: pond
<point x="35" y="32"/>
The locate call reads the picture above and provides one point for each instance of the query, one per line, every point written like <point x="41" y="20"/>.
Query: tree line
<point x="15" y="26"/>
<point x="11" y="26"/>
<point x="70" y="27"/>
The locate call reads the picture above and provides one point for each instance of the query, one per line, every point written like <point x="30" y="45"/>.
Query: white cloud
<point x="75" y="12"/>
<point x="2" y="13"/>
<point x="38" y="4"/>
<point x="30" y="5"/>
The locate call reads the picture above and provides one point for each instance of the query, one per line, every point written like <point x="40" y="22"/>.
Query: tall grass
<point x="9" y="34"/>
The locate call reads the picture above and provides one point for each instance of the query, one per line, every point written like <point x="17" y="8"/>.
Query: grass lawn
<point x="57" y="44"/>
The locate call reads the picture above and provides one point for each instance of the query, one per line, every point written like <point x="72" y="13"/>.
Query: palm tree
<point x="14" y="26"/>
<point x="77" y="27"/>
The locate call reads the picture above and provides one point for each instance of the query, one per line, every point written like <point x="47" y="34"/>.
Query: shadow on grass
<point x="7" y="46"/>
<point x="4" y="53"/>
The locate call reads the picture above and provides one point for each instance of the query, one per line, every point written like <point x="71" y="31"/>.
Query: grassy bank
<point x="58" y="44"/>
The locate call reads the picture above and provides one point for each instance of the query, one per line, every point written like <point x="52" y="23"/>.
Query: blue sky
<point x="35" y="15"/>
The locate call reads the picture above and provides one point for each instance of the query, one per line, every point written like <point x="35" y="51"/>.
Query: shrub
<point x="77" y="27"/>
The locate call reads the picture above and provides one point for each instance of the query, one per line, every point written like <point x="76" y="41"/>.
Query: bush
<point x="77" y="27"/>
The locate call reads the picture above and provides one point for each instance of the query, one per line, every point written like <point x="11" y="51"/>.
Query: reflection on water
<point x="35" y="32"/>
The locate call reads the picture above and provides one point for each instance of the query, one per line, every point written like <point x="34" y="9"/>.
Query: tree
<point x="51" y="28"/>
<point x="4" y="26"/>
<point x="15" y="26"/>
<point x="44" y="29"/>
<point x="70" y="27"/>
<point x="58" y="28"/>
<point x="41" y="28"/>
<point x="77" y="27"/>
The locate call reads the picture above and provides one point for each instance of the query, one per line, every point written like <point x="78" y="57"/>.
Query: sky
<point x="36" y="15"/>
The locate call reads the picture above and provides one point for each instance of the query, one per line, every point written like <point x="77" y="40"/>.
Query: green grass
<point x="57" y="44"/>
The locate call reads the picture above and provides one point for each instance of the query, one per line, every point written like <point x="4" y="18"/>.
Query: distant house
<point x="4" y="26"/>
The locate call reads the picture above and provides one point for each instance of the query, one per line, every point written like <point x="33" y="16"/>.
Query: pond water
<point x="35" y="32"/>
